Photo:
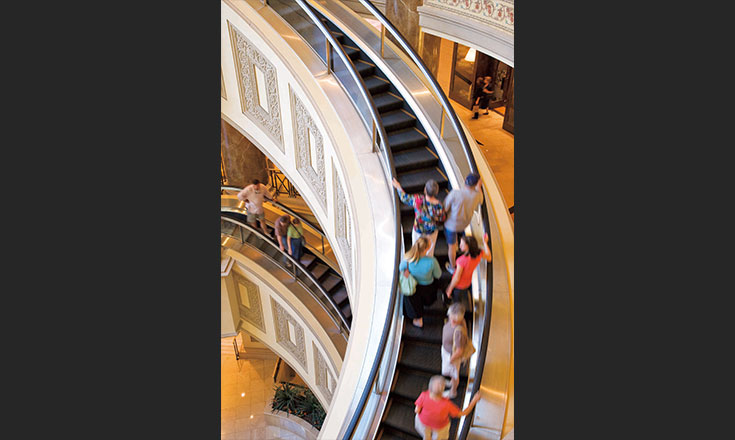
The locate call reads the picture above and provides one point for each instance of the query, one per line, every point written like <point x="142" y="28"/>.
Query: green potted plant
<point x="299" y="401"/>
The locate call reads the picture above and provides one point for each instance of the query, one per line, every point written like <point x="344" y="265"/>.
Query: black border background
<point x="112" y="319"/>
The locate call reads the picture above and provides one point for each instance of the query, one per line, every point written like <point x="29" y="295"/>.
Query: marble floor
<point x="497" y="145"/>
<point x="246" y="387"/>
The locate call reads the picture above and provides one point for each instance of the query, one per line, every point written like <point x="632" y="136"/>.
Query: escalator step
<point x="352" y="52"/>
<point x="414" y="158"/>
<point x="430" y="332"/>
<point x="364" y="68"/>
<point x="331" y="281"/>
<point x="406" y="139"/>
<point x="400" y="415"/>
<point x="414" y="181"/>
<point x="410" y="383"/>
<point x="346" y="311"/>
<point x="339" y="36"/>
<point x="318" y="270"/>
<point x="340" y="295"/>
<point x="422" y="356"/>
<point x="407" y="222"/>
<point x="397" y="120"/>
<point x="388" y="433"/>
<point x="376" y="84"/>
<point x="307" y="259"/>
<point x="385" y="102"/>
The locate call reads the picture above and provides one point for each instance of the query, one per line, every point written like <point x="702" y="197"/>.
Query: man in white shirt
<point x="254" y="195"/>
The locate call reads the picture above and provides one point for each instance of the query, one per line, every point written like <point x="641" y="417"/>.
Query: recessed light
<point x="242" y="395"/>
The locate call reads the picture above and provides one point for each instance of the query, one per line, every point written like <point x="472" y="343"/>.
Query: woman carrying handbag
<point x="426" y="270"/>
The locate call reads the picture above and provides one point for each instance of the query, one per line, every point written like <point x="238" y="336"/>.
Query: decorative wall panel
<point x="324" y="378"/>
<point x="292" y="342"/>
<point x="310" y="164"/>
<point x="247" y="59"/>
<point x="222" y="91"/>
<point x="343" y="224"/>
<point x="496" y="13"/>
<point x="248" y="301"/>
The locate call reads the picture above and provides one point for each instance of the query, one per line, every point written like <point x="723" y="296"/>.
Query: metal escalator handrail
<point x="341" y="322"/>
<point x="454" y="120"/>
<point x="439" y="93"/>
<point x="377" y="128"/>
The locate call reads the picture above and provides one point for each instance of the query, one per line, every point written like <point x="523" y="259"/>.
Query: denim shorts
<point x="451" y="236"/>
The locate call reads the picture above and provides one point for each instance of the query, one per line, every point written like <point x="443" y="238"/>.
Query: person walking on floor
<point x="455" y="342"/>
<point x="459" y="287"/>
<point x="477" y="94"/>
<point x="487" y="94"/>
<point x="459" y="206"/>
<point x="254" y="195"/>
<point x="434" y="410"/>
<point x="427" y="271"/>
<point x="428" y="211"/>
<point x="295" y="234"/>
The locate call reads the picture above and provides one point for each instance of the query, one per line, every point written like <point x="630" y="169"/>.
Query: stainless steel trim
<point x="340" y="321"/>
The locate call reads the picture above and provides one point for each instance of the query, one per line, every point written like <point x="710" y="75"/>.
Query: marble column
<point x="243" y="161"/>
<point x="405" y="17"/>
<point x="430" y="55"/>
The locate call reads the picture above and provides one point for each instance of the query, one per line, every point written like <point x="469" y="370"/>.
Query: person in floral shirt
<point x="428" y="211"/>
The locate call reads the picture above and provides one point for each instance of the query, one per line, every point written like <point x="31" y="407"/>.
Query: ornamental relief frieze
<point x="309" y="150"/>
<point x="249" y="301"/>
<point x="324" y="378"/>
<point x="264" y="111"/>
<point x="222" y="91"/>
<point x="343" y="224"/>
<point x="290" y="337"/>
<point x="497" y="13"/>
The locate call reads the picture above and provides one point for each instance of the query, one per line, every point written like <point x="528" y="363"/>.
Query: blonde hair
<point x="417" y="250"/>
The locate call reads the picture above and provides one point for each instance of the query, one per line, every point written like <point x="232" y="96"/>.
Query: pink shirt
<point x="468" y="267"/>
<point x="435" y="413"/>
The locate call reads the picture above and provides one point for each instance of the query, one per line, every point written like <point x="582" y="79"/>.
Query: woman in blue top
<point x="426" y="270"/>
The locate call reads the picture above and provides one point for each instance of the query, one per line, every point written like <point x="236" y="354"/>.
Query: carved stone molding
<point x="310" y="164"/>
<point x="247" y="60"/>
<point x="497" y="13"/>
<point x="324" y="378"/>
<point x="343" y="222"/>
<point x="290" y="337"/>
<point x="248" y="301"/>
<point x="222" y="91"/>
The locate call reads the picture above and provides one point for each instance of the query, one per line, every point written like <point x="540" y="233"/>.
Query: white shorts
<point x="442" y="434"/>
<point x="448" y="368"/>
<point x="432" y="239"/>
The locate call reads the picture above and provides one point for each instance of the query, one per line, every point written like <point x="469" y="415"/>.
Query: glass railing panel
<point x="287" y="264"/>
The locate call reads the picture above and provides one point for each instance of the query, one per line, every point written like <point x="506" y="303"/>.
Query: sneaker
<point x="449" y="268"/>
